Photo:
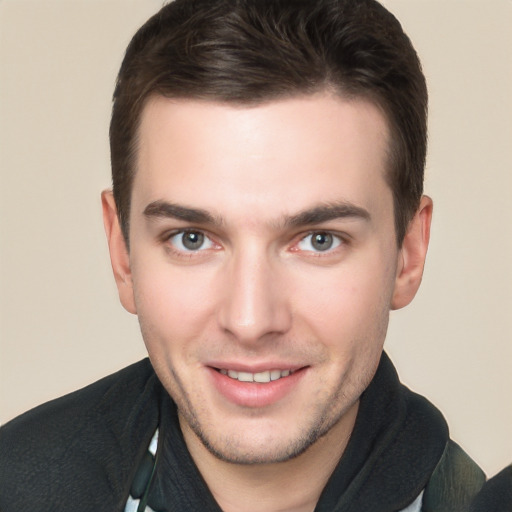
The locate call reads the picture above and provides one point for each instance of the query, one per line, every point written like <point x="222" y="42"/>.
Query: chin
<point x="265" y="442"/>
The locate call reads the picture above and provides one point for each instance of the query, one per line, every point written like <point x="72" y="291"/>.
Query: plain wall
<point x="61" y="325"/>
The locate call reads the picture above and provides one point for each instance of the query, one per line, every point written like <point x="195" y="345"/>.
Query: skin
<point x="259" y="185"/>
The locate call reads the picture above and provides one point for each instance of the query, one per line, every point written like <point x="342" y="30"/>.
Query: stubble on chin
<point x="269" y="450"/>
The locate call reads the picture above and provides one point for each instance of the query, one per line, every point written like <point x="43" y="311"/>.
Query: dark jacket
<point x="81" y="452"/>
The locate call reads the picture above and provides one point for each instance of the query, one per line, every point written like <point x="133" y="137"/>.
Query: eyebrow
<point x="165" y="209"/>
<point x="327" y="212"/>
<point x="315" y="215"/>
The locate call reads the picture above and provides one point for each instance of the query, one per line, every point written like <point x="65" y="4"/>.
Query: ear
<point x="412" y="255"/>
<point x="119" y="256"/>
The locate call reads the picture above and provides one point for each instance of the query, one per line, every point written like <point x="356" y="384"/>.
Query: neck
<point x="291" y="486"/>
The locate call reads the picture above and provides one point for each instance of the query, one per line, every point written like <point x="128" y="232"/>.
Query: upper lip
<point x="256" y="367"/>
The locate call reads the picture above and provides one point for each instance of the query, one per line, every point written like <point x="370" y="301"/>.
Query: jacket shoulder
<point x="56" y="418"/>
<point x="77" y="442"/>
<point x="454" y="482"/>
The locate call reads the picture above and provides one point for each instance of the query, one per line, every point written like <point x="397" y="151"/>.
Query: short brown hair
<point x="251" y="51"/>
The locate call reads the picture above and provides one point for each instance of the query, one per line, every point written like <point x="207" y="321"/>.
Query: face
<point x="262" y="266"/>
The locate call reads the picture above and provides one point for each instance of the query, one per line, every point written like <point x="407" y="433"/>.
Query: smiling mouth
<point x="260" y="377"/>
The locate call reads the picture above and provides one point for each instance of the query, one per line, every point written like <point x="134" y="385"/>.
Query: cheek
<point x="173" y="303"/>
<point x="351" y="303"/>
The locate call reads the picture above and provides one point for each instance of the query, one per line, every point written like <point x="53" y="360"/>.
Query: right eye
<point x="190" y="241"/>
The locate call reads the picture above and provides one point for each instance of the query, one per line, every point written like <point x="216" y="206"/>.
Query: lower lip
<point x="255" y="394"/>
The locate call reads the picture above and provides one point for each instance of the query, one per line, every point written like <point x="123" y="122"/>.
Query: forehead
<point x="280" y="156"/>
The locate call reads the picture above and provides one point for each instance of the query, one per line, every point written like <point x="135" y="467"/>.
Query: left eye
<point x="189" y="241"/>
<point x="319" y="241"/>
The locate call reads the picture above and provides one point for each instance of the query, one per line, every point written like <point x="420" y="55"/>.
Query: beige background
<point x="61" y="326"/>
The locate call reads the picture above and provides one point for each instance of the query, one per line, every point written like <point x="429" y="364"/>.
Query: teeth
<point x="275" y="374"/>
<point x="245" y="377"/>
<point x="261" y="377"/>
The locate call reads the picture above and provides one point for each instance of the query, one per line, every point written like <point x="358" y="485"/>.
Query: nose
<point x="254" y="303"/>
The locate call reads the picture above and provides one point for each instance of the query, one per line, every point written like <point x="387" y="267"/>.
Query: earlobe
<point x="412" y="255"/>
<point x="119" y="256"/>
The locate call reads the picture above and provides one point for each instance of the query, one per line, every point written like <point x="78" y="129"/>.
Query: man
<point x="496" y="494"/>
<point x="266" y="215"/>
